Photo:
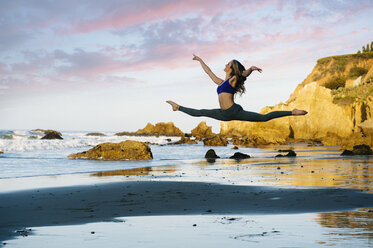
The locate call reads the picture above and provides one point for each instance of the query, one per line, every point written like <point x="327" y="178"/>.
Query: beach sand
<point x="95" y="203"/>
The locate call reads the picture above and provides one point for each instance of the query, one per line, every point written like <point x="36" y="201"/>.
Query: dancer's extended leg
<point x="212" y="113"/>
<point x="256" y="117"/>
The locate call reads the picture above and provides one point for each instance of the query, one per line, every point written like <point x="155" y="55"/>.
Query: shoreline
<point x="98" y="202"/>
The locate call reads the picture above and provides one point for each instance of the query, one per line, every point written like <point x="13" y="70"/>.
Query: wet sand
<point x="95" y="203"/>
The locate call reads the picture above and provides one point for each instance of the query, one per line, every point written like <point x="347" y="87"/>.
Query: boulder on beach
<point x="358" y="150"/>
<point x="210" y="154"/>
<point x="125" y="150"/>
<point x="161" y="128"/>
<point x="202" y="131"/>
<point x="217" y="140"/>
<point x="239" y="156"/>
<point x="95" y="134"/>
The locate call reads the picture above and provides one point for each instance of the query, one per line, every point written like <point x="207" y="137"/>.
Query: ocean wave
<point x="71" y="140"/>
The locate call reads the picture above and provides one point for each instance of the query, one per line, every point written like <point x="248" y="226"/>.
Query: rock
<point x="95" y="134"/>
<point x="125" y="133"/>
<point x="367" y="127"/>
<point x="239" y="155"/>
<point x="184" y="140"/>
<point x="290" y="154"/>
<point x="46" y="131"/>
<point x="165" y="129"/>
<point x="1" y="152"/>
<point x="347" y="153"/>
<point x="125" y="150"/>
<point x="202" y="131"/>
<point x="52" y="135"/>
<point x="210" y="154"/>
<point x="362" y="150"/>
<point x="217" y="140"/>
<point x="235" y="148"/>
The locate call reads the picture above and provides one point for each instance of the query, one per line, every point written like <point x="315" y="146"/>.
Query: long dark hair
<point x="237" y="70"/>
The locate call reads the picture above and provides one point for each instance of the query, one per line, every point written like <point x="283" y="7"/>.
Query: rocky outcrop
<point x="95" y="134"/>
<point x="125" y="150"/>
<point x="160" y="129"/>
<point x="217" y="140"/>
<point x="202" y="131"/>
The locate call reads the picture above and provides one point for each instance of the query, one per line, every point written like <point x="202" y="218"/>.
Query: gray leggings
<point x="235" y="112"/>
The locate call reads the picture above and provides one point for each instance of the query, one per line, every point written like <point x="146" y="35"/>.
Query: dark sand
<point x="95" y="203"/>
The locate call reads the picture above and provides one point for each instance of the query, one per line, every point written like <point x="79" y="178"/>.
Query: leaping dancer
<point x="235" y="77"/>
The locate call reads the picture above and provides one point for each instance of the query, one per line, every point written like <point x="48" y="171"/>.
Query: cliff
<point x="338" y="95"/>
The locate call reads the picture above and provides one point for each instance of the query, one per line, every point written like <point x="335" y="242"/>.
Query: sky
<point x="110" y="65"/>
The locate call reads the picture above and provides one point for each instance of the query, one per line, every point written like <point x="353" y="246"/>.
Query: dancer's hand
<point x="197" y="58"/>
<point x="254" y="68"/>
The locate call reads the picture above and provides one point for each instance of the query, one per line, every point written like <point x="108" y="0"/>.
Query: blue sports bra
<point x="225" y="87"/>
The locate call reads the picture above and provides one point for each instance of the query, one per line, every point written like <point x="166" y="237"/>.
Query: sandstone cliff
<point x="339" y="113"/>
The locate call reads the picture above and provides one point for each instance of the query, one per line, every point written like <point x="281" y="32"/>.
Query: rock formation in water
<point x="340" y="109"/>
<point x="95" y="134"/>
<point x="46" y="131"/>
<point x="202" y="131"/>
<point x="159" y="129"/>
<point x="125" y="150"/>
<point x="216" y="140"/>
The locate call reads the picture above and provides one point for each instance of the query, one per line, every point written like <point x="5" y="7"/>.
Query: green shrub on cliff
<point x="335" y="83"/>
<point x="353" y="94"/>
<point x="357" y="72"/>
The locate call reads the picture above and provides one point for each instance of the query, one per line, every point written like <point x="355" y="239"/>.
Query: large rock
<point x="217" y="140"/>
<point x="210" y="154"/>
<point x="239" y="156"/>
<point x="162" y="128"/>
<point x="202" y="131"/>
<point x="125" y="150"/>
<point x="52" y="135"/>
<point x="358" y="150"/>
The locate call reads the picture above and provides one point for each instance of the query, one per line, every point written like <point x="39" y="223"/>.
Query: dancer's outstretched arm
<point x="247" y="72"/>
<point x="208" y="70"/>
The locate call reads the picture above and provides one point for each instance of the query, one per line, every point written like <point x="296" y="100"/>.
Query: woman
<point x="235" y="76"/>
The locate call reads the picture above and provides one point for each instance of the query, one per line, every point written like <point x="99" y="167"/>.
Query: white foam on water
<point x="25" y="141"/>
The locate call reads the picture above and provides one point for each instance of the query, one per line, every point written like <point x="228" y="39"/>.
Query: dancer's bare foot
<point x="298" y="112"/>
<point x="175" y="106"/>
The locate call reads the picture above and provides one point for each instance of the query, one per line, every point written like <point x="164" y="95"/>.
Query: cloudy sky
<point x="111" y="65"/>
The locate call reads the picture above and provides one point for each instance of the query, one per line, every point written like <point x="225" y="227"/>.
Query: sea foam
<point x="24" y="141"/>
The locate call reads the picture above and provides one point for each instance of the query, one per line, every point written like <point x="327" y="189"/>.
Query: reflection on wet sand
<point x="348" y="223"/>
<point x="144" y="171"/>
